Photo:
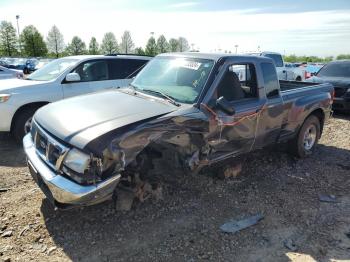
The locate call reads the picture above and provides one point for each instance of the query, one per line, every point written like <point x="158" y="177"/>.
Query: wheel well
<point x="298" y="78"/>
<point x="25" y="107"/>
<point x="321" y="116"/>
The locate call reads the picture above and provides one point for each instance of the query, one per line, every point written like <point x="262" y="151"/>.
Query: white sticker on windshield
<point x="191" y="65"/>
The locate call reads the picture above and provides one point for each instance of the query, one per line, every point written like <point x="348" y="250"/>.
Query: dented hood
<point x="81" y="119"/>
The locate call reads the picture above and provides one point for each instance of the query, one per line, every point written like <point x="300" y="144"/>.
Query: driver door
<point x="233" y="133"/>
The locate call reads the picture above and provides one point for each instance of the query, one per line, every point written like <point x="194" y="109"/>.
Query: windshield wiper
<point x="169" y="98"/>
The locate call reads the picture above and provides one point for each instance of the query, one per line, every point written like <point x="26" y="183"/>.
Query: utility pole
<point x="236" y="46"/>
<point x="19" y="40"/>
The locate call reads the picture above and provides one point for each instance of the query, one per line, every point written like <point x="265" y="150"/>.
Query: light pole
<point x="236" y="46"/>
<point x="19" y="40"/>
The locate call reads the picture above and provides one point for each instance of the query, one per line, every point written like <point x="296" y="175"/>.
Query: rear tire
<point x="22" y="123"/>
<point x="304" y="143"/>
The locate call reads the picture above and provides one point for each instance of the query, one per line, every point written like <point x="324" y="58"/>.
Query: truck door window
<point x="270" y="80"/>
<point x="92" y="71"/>
<point x="239" y="82"/>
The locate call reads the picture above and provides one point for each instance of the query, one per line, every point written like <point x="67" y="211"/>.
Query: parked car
<point x="284" y="72"/>
<point x="17" y="63"/>
<point x="6" y="73"/>
<point x="338" y="74"/>
<point x="30" y="65"/>
<point x="35" y="64"/>
<point x="311" y="70"/>
<point x="182" y="111"/>
<point x="3" y="63"/>
<point x="62" y="78"/>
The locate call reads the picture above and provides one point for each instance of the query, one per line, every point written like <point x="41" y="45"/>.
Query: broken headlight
<point x="77" y="161"/>
<point x="76" y="165"/>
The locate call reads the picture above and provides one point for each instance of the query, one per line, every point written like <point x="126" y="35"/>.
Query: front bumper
<point x="342" y="104"/>
<point x="61" y="191"/>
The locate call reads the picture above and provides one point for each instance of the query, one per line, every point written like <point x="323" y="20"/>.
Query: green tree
<point x="309" y="59"/>
<point x="8" y="39"/>
<point x="343" y="56"/>
<point x="93" y="47"/>
<point x="55" y="41"/>
<point x="127" y="45"/>
<point x="76" y="47"/>
<point x="183" y="44"/>
<point x="173" y="45"/>
<point x="33" y="42"/>
<point x="139" y="51"/>
<point x="151" y="47"/>
<point x="109" y="44"/>
<point x="330" y="58"/>
<point x="162" y="45"/>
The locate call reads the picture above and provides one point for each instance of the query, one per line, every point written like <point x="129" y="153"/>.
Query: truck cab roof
<point x="212" y="56"/>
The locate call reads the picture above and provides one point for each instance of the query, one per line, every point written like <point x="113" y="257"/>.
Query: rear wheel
<point x="307" y="138"/>
<point x="298" y="78"/>
<point x="22" y="123"/>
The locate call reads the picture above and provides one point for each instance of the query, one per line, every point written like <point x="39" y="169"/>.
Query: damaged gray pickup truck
<point x="183" y="110"/>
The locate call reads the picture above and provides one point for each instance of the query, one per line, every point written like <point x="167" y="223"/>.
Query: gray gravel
<point x="185" y="225"/>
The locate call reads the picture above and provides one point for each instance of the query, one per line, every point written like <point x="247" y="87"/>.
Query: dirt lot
<point x="185" y="225"/>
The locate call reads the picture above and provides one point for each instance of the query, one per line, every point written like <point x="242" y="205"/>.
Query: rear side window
<point x="277" y="59"/>
<point x="270" y="80"/>
<point x="125" y="68"/>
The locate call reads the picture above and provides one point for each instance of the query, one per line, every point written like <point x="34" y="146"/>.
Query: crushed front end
<point x="66" y="175"/>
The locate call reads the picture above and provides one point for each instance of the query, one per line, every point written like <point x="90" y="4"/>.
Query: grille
<point x="340" y="91"/>
<point x="49" y="149"/>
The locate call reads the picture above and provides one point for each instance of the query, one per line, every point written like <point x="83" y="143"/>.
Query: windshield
<point x="52" y="69"/>
<point x="335" y="70"/>
<point x="179" y="78"/>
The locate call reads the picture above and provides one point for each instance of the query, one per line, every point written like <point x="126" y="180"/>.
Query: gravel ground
<point x="185" y="225"/>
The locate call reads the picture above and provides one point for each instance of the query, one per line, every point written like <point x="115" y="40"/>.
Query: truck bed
<point x="289" y="85"/>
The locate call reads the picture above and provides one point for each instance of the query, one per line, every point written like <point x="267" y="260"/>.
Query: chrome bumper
<point x="61" y="190"/>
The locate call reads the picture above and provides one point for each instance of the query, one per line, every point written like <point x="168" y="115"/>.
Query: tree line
<point x="313" y="59"/>
<point x="32" y="44"/>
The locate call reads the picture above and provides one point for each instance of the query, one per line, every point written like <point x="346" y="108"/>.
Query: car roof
<point x="212" y="56"/>
<point x="88" y="57"/>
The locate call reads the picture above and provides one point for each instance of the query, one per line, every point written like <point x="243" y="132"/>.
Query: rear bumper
<point x="342" y="104"/>
<point x="61" y="191"/>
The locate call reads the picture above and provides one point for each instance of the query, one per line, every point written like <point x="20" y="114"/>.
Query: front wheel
<point x="22" y="124"/>
<point x="307" y="138"/>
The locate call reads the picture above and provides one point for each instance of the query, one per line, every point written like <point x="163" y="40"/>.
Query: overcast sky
<point x="312" y="27"/>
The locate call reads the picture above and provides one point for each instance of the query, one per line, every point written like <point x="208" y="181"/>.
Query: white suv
<point x="62" y="78"/>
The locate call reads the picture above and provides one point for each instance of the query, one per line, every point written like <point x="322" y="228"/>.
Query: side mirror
<point x="72" y="77"/>
<point x="225" y="106"/>
<point x="313" y="74"/>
